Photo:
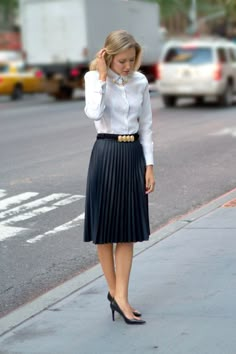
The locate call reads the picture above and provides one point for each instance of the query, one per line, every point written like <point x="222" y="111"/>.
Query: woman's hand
<point x="101" y="65"/>
<point x="149" y="179"/>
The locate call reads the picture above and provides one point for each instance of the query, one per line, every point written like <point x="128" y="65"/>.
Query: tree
<point x="207" y="11"/>
<point x="8" y="10"/>
<point x="205" y="8"/>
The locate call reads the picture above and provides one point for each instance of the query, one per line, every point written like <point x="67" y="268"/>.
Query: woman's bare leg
<point x="106" y="258"/>
<point x="123" y="260"/>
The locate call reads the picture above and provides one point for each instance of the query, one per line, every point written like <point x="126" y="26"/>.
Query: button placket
<point x="127" y="109"/>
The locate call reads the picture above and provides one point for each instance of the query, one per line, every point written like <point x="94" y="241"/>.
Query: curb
<point x="52" y="297"/>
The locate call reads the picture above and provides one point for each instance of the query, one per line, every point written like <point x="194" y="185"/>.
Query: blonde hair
<point x="115" y="43"/>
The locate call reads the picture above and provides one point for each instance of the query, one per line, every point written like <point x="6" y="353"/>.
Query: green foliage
<point x="204" y="7"/>
<point x="8" y="9"/>
<point x="8" y="4"/>
<point x="171" y="7"/>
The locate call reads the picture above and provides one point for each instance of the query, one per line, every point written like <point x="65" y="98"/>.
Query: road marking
<point x="6" y="232"/>
<point x="73" y="198"/>
<point x="3" y="193"/>
<point x="17" y="199"/>
<point x="28" y="215"/>
<point x="226" y="131"/>
<point x="31" y="205"/>
<point x="64" y="227"/>
<point x="25" y="211"/>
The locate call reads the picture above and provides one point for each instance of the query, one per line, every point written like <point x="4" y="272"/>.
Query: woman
<point x="120" y="175"/>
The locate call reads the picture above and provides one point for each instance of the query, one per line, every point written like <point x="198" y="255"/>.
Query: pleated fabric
<point x="116" y="206"/>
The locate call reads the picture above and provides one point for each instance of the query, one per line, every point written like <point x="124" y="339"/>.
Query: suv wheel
<point x="169" y="101"/>
<point x="17" y="92"/>
<point x="227" y="97"/>
<point x="199" y="100"/>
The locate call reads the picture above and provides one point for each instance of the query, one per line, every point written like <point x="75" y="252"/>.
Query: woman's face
<point x="123" y="63"/>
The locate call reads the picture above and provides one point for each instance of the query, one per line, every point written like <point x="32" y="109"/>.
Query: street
<point x="44" y="154"/>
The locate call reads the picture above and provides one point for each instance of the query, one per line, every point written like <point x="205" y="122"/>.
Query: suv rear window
<point x="185" y="55"/>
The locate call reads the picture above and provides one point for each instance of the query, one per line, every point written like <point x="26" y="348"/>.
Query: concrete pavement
<point x="184" y="285"/>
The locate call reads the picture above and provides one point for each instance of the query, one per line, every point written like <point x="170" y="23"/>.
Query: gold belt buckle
<point x="126" y="138"/>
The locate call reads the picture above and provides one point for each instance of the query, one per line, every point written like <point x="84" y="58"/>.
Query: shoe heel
<point x="113" y="314"/>
<point x="115" y="307"/>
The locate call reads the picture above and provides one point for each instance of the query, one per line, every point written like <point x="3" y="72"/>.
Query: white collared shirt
<point x="121" y="109"/>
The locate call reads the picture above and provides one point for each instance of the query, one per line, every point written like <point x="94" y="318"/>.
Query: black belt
<point x="129" y="138"/>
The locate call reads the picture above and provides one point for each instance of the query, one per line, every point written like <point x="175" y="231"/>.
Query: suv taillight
<point x="1" y="80"/>
<point x="39" y="74"/>
<point x="157" y="71"/>
<point x="217" y="73"/>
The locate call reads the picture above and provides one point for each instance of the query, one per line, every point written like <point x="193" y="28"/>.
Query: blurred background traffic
<point x="46" y="46"/>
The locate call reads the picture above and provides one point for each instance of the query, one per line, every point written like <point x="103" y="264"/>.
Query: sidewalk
<point x="184" y="285"/>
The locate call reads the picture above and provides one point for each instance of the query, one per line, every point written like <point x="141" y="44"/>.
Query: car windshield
<point x="189" y="55"/>
<point x="4" y="68"/>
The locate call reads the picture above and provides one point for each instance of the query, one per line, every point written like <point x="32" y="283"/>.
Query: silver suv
<point x="198" y="68"/>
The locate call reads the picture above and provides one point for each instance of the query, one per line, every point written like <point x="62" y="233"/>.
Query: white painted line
<point x="28" y="215"/>
<point x="64" y="227"/>
<point x="17" y="199"/>
<point x="35" y="204"/>
<point x="69" y="200"/>
<point x="226" y="131"/>
<point x="9" y="231"/>
<point x="3" y="193"/>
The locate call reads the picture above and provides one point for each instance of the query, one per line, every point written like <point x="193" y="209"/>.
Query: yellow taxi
<point x="16" y="79"/>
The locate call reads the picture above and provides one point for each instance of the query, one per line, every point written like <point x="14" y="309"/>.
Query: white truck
<point x="62" y="36"/>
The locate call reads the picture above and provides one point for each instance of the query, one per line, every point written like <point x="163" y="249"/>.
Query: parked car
<point x="198" y="68"/>
<point x="16" y="79"/>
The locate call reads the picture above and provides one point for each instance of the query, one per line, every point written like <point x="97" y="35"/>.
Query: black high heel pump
<point x="110" y="298"/>
<point x="115" y="307"/>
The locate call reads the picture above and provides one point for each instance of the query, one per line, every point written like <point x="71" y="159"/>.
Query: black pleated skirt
<point x="116" y="206"/>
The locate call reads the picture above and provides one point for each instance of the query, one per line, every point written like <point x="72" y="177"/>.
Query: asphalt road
<point x="44" y="153"/>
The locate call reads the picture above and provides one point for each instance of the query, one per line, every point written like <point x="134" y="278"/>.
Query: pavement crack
<point x="6" y="290"/>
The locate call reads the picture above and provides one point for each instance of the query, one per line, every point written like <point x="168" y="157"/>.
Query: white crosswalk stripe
<point x="14" y="210"/>
<point x="64" y="227"/>
<point x="69" y="200"/>
<point x="28" y="215"/>
<point x="31" y="205"/>
<point x="6" y="231"/>
<point x="2" y="193"/>
<point x="17" y="199"/>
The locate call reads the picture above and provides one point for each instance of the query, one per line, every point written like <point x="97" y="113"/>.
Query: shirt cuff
<point x="149" y="159"/>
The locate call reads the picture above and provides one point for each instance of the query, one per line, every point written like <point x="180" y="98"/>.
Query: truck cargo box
<point x="72" y="31"/>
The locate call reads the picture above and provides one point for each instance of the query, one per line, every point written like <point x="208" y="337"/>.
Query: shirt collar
<point x="117" y="79"/>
